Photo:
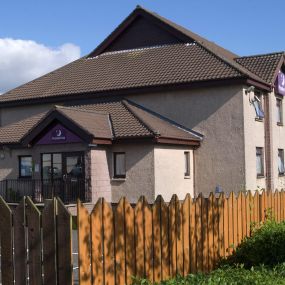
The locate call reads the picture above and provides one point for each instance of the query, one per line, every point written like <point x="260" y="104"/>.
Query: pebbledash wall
<point x="151" y="170"/>
<point x="217" y="113"/>
<point x="277" y="141"/>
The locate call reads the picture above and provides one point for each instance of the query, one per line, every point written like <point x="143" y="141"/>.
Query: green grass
<point x="229" y="275"/>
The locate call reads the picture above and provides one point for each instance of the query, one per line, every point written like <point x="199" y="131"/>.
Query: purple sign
<point x="280" y="83"/>
<point x="58" y="135"/>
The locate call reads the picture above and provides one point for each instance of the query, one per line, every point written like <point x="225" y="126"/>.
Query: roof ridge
<point x="260" y="55"/>
<point x="140" y="49"/>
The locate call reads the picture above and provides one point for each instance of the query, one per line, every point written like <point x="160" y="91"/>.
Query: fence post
<point x="6" y="243"/>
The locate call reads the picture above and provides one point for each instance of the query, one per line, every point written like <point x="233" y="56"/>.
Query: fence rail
<point x="117" y="242"/>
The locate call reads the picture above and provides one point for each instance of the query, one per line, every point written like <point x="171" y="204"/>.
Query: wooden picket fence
<point x="162" y="240"/>
<point x="117" y="242"/>
<point x="41" y="241"/>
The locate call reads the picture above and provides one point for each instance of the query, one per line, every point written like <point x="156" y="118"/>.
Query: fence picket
<point x="193" y="240"/>
<point x="83" y="225"/>
<point x="165" y="241"/>
<point x="157" y="245"/>
<point x="221" y="236"/>
<point x="179" y="237"/>
<point x="204" y="228"/>
<point x="20" y="251"/>
<point x="130" y="242"/>
<point x="199" y="237"/>
<point x="172" y="237"/>
<point x="97" y="244"/>
<point x="34" y="242"/>
<point x="64" y="244"/>
<point x="49" y="242"/>
<point x="108" y="237"/>
<point x="139" y="237"/>
<point x="186" y="233"/>
<point x="120" y="242"/>
<point x="211" y="209"/>
<point x="148" y="242"/>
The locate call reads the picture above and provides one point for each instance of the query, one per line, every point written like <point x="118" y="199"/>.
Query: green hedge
<point x="265" y="246"/>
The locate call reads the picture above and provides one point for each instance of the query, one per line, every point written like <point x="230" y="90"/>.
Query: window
<point x="257" y="103"/>
<point x="259" y="162"/>
<point x="281" y="169"/>
<point x="279" y="115"/>
<point x="187" y="163"/>
<point x="25" y="166"/>
<point x="119" y="165"/>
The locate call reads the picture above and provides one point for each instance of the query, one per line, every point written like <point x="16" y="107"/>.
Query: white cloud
<point x="24" y="60"/>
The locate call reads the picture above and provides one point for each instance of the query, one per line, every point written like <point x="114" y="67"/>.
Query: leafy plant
<point x="265" y="246"/>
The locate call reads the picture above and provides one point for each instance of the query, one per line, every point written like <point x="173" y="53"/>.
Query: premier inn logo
<point x="58" y="135"/>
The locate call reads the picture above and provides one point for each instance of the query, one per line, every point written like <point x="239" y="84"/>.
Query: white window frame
<point x="281" y="168"/>
<point x="187" y="164"/>
<point x="258" y="106"/>
<point x="260" y="155"/>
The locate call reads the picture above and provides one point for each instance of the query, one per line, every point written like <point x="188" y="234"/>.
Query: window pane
<point x="259" y="161"/>
<point x="186" y="163"/>
<point x="258" y="165"/>
<point x="26" y="166"/>
<point x="279" y="110"/>
<point x="120" y="167"/>
<point x="281" y="161"/>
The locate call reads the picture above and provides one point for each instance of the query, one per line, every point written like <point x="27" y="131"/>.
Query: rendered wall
<point x="9" y="115"/>
<point x="253" y="137"/>
<point x="277" y="141"/>
<point x="217" y="113"/>
<point x="140" y="172"/>
<point x="169" y="172"/>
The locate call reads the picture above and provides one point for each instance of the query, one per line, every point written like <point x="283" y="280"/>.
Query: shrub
<point x="265" y="246"/>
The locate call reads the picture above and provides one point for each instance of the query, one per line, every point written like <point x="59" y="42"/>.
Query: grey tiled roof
<point x="264" y="65"/>
<point x="109" y="120"/>
<point x="155" y="66"/>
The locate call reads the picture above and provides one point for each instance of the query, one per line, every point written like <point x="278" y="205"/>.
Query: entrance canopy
<point x="70" y="125"/>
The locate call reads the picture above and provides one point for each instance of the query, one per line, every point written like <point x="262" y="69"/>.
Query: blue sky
<point x="245" y="26"/>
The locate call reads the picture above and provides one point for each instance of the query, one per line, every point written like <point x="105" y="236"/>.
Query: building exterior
<point x="154" y="109"/>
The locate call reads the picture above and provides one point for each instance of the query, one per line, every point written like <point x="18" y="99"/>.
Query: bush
<point x="230" y="275"/>
<point x="265" y="246"/>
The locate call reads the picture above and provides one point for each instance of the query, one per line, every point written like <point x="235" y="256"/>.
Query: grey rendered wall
<point x="9" y="115"/>
<point x="217" y="113"/>
<point x="140" y="172"/>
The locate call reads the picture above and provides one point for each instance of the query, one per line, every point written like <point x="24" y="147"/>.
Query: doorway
<point x="63" y="175"/>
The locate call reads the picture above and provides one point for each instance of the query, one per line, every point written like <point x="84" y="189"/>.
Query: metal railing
<point x="68" y="190"/>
